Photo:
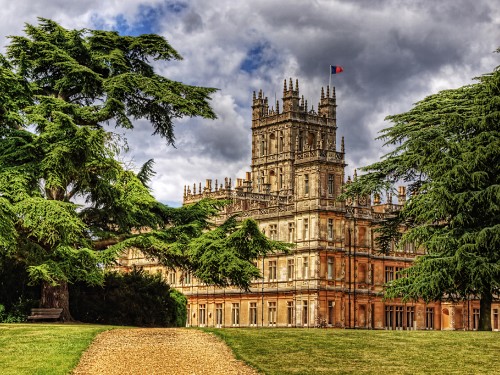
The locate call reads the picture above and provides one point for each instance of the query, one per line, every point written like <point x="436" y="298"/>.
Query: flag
<point x="336" y="69"/>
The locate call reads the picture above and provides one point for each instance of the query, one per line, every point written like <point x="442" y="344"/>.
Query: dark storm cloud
<point x="394" y="53"/>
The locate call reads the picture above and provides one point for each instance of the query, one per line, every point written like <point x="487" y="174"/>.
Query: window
<point x="305" y="267"/>
<point x="201" y="315"/>
<point x="235" y="314"/>
<point x="389" y="273"/>
<point x="397" y="273"/>
<point x="262" y="147"/>
<point x="305" y="313"/>
<point x="330" y="184"/>
<point x="262" y="180"/>
<point x="305" y="229"/>
<point x="495" y="319"/>
<point x="429" y="318"/>
<point x="331" y="312"/>
<point x="188" y="319"/>
<point x="330" y="268"/>
<point x="280" y="178"/>
<point x="410" y="316"/>
<point x="300" y="141"/>
<point x="290" y="269"/>
<point x="253" y="313"/>
<point x="389" y="317"/>
<point x="291" y="232"/>
<point x="306" y="184"/>
<point x="272" y="270"/>
<point x="273" y="232"/>
<point x="475" y="319"/>
<point x="186" y="277"/>
<point x="330" y="229"/>
<point x="218" y="314"/>
<point x="399" y="316"/>
<point x="171" y="277"/>
<point x="289" y="313"/>
<point x="272" y="313"/>
<point x="281" y="143"/>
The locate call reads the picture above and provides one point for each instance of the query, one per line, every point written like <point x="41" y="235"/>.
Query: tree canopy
<point x="447" y="149"/>
<point x="68" y="206"/>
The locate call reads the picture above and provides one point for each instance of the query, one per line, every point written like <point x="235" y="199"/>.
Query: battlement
<point x="294" y="107"/>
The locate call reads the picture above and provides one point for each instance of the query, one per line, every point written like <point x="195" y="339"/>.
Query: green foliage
<point x="62" y="86"/>
<point x="447" y="148"/>
<point x="180" y="305"/>
<point x="136" y="298"/>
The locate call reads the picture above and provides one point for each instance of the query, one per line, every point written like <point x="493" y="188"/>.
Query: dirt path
<point x="159" y="351"/>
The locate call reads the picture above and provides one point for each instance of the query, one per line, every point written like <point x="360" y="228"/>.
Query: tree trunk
<point x="485" y="312"/>
<point x="56" y="297"/>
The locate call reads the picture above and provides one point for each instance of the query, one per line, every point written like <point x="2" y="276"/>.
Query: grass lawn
<point x="44" y="348"/>
<point x="321" y="351"/>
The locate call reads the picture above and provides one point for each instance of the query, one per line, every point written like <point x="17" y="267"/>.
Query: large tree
<point x="447" y="149"/>
<point x="68" y="206"/>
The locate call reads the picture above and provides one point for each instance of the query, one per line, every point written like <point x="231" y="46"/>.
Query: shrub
<point x="17" y="297"/>
<point x="136" y="298"/>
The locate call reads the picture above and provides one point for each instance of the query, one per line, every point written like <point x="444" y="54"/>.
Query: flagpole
<point x="330" y="82"/>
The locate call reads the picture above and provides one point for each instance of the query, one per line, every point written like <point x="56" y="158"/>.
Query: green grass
<point x="317" y="351"/>
<point x="44" y="348"/>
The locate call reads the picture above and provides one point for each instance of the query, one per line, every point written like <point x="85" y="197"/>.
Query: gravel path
<point x="159" y="351"/>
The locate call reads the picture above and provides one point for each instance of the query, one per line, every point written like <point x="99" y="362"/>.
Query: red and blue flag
<point x="336" y="69"/>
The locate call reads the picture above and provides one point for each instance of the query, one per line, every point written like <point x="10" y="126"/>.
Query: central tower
<point x="294" y="151"/>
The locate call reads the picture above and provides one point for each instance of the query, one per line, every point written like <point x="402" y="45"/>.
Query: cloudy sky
<point x="393" y="52"/>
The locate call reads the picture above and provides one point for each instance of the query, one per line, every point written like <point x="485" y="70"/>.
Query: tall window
<point x="272" y="270"/>
<point x="305" y="229"/>
<point x="171" y="277"/>
<point x="188" y="311"/>
<point x="281" y="142"/>
<point x="389" y="273"/>
<point x="305" y="313"/>
<point x="495" y="319"/>
<point x="202" y="315"/>
<point x="273" y="231"/>
<point x="397" y="272"/>
<point x="272" y="313"/>
<point x="389" y="316"/>
<point x="475" y="319"/>
<point x="291" y="232"/>
<point x="330" y="184"/>
<point x="218" y="314"/>
<point x="235" y="314"/>
<point x="305" y="267"/>
<point x="262" y="180"/>
<point x="306" y="184"/>
<point x="410" y="316"/>
<point x="290" y="269"/>
<point x="330" y="268"/>
<point x="289" y="313"/>
<point x="186" y="277"/>
<point x="331" y="312"/>
<point x="253" y="313"/>
<point x="281" y="179"/>
<point x="330" y="229"/>
<point x="262" y="147"/>
<point x="399" y="316"/>
<point x="429" y="318"/>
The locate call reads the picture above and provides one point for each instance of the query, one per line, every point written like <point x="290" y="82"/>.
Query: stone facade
<point x="334" y="277"/>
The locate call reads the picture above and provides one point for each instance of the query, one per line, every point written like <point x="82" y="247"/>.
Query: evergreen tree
<point x="447" y="148"/>
<point x="59" y="87"/>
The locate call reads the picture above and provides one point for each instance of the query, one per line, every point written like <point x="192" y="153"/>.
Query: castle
<point x="334" y="277"/>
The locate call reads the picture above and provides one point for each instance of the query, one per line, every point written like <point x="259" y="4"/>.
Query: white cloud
<point x="393" y="56"/>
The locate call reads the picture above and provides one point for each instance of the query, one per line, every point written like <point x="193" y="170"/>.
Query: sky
<point x="394" y="53"/>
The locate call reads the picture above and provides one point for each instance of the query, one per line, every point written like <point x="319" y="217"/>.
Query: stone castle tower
<point x="335" y="275"/>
